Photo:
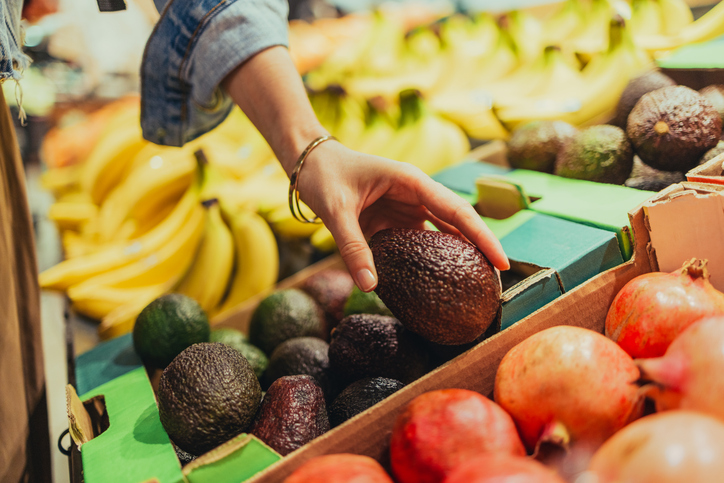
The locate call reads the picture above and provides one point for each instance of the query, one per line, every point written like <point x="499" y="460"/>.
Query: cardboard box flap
<point x="81" y="425"/>
<point x="687" y="221"/>
<point x="461" y="177"/>
<point x="236" y="460"/>
<point x="498" y="198"/>
<point x="710" y="172"/>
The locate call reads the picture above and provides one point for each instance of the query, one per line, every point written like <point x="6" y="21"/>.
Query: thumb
<point x="356" y="254"/>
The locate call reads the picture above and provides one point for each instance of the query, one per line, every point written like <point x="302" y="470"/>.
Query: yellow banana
<point x="708" y="26"/>
<point x="162" y="178"/>
<point x="526" y="32"/>
<point x="675" y="15"/>
<point x="286" y="226"/>
<point x="379" y="130"/>
<point x="110" y="159"/>
<point x="646" y="18"/>
<point x="323" y="240"/>
<point x="61" y="180"/>
<point x="69" y="215"/>
<point x="208" y="277"/>
<point x="104" y="300"/>
<point x="564" y="24"/>
<point x="592" y="38"/>
<point x="472" y="111"/>
<point x="263" y="191"/>
<point x="257" y="260"/>
<point x="76" y="270"/>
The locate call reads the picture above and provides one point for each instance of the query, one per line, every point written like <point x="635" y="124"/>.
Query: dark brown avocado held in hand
<point x="292" y="414"/>
<point x="672" y="127"/>
<point x="438" y="285"/>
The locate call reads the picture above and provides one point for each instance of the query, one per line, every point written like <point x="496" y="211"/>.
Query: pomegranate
<point x="439" y="430"/>
<point x="668" y="447"/>
<point x="691" y="373"/>
<point x="652" y="309"/>
<point x="502" y="468"/>
<point x="568" y="385"/>
<point x="340" y="468"/>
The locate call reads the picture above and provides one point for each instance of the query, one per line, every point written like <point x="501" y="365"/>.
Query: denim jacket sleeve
<point x="194" y="45"/>
<point x="12" y="59"/>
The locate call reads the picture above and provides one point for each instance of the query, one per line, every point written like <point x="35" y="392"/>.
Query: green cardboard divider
<point x="105" y="362"/>
<point x="461" y="177"/>
<point x="705" y="55"/>
<point x="248" y="457"/>
<point x="135" y="447"/>
<point x="599" y="205"/>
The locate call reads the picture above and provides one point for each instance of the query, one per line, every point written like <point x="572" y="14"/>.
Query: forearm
<point x="270" y="92"/>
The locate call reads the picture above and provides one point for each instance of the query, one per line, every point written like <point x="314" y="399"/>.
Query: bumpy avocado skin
<point x="598" y="153"/>
<point x="301" y="355"/>
<point x="535" y="145"/>
<point x="371" y="345"/>
<point x="360" y="302"/>
<point x="713" y="152"/>
<point x="292" y="414"/>
<point x="207" y="395"/>
<point x="283" y="315"/>
<point x="361" y="395"/>
<point x="438" y="285"/>
<point x="672" y="127"/>
<point x="646" y="178"/>
<point x="715" y="95"/>
<point x="637" y="87"/>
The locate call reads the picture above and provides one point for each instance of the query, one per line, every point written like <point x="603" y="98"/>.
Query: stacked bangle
<point x="294" y="181"/>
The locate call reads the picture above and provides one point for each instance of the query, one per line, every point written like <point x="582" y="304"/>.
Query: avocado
<point x="713" y="152"/>
<point x="283" y="315"/>
<point x="361" y="395"/>
<point x="207" y="395"/>
<point x="236" y="339"/>
<point x="646" y="178"/>
<point x="360" y="302"/>
<point x="715" y="95"/>
<point x="637" y="87"/>
<point x="183" y="457"/>
<point x="598" y="153"/>
<point x="371" y="345"/>
<point x="671" y="128"/>
<point x="167" y="326"/>
<point x="301" y="355"/>
<point x="292" y="414"/>
<point x="535" y="145"/>
<point x="437" y="284"/>
<point x="330" y="288"/>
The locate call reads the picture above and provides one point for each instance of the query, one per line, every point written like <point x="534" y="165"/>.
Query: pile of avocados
<point x="318" y="355"/>
<point x="660" y="131"/>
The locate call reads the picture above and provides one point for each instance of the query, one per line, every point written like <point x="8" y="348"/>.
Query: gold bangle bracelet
<point x="294" y="206"/>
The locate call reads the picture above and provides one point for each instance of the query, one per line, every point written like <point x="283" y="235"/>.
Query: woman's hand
<point x="354" y="194"/>
<point x="357" y="195"/>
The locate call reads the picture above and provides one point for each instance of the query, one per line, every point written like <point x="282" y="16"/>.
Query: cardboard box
<point x="600" y="205"/>
<point x="121" y="439"/>
<point x="711" y="172"/>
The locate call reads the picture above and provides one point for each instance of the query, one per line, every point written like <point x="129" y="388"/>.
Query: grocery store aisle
<point x="53" y="324"/>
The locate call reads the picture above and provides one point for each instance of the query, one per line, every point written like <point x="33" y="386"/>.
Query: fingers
<point x="355" y="251"/>
<point x="455" y="212"/>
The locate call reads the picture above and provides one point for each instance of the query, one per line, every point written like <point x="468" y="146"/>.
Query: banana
<point x="168" y="262"/>
<point x="379" y="130"/>
<point x="526" y="32"/>
<point x="108" y="162"/>
<point x="236" y="159"/>
<point x="104" y="300"/>
<point x="208" y="277"/>
<point x="285" y="225"/>
<point x="60" y="181"/>
<point x="76" y="270"/>
<point x="257" y="260"/>
<point x="708" y="26"/>
<point x="262" y="191"/>
<point x="323" y="240"/>
<point x="69" y="215"/>
<point x="646" y="18"/>
<point x="160" y="180"/>
<point x="592" y="38"/>
<point x="675" y="15"/>
<point x="564" y="24"/>
<point x="472" y="111"/>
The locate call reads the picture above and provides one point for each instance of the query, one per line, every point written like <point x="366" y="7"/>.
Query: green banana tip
<point x="210" y="202"/>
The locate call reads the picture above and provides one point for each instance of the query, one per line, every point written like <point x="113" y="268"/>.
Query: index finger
<point x="452" y="209"/>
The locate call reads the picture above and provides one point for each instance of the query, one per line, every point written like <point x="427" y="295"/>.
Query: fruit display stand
<point x="585" y="306"/>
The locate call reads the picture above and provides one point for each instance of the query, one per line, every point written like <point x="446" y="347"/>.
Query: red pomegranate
<point x="652" y="309"/>
<point x="568" y="385"/>
<point x="502" y="468"/>
<point x="439" y="430"/>
<point x="340" y="468"/>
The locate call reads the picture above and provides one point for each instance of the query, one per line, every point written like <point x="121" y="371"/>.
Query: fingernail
<point x="365" y="280"/>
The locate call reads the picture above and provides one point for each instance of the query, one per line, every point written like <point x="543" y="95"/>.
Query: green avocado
<point x="598" y="153"/>
<point x="360" y="302"/>
<point x="236" y="339"/>
<point x="301" y="355"/>
<point x="283" y="315"/>
<point x="207" y="395"/>
<point x="535" y="145"/>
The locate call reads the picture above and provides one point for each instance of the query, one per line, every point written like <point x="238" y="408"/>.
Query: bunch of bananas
<point x="488" y="74"/>
<point x="139" y="220"/>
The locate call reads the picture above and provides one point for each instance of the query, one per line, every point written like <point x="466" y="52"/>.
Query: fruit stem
<point x="669" y="371"/>
<point x="555" y="434"/>
<point x="661" y="128"/>
<point x="695" y="269"/>
<point x="412" y="108"/>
